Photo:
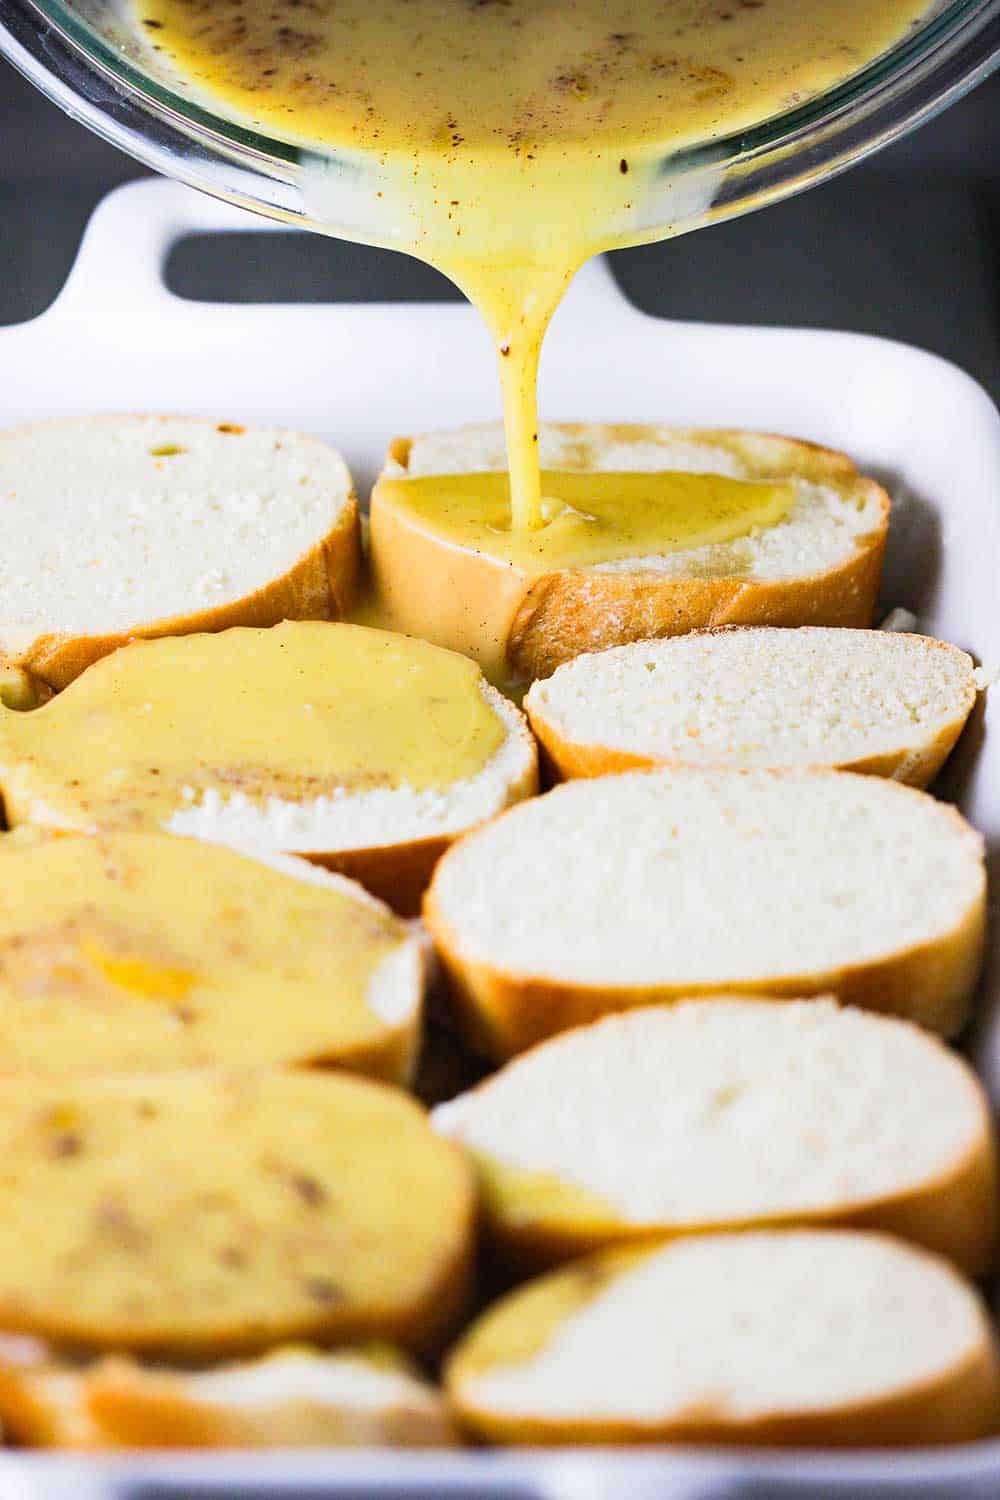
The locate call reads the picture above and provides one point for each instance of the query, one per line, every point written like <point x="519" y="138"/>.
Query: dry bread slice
<point x="820" y="564"/>
<point x="361" y="750"/>
<point x="197" y="1214"/>
<point x="293" y="1397"/>
<point x="795" y="1337"/>
<point x="145" y="952"/>
<point x="651" y="885"/>
<point x="875" y="701"/>
<point x="124" y="526"/>
<point x="717" y="1114"/>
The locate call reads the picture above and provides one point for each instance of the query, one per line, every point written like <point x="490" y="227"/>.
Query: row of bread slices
<point x="373" y="753"/>
<point x="117" y="527"/>
<point x="751" y="1220"/>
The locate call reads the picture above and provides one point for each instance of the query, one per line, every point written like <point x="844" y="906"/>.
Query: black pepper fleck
<point x="322" y="1290"/>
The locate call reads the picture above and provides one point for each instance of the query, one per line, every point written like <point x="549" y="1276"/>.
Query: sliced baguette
<point x="145" y="952"/>
<point x="357" y="749"/>
<point x="192" y="1215"/>
<point x="820" y="565"/>
<point x="652" y="885"/>
<point x="294" y="1397"/>
<point x="717" y="1114"/>
<point x="825" y="1338"/>
<point x="125" y="526"/>
<point x="874" y="701"/>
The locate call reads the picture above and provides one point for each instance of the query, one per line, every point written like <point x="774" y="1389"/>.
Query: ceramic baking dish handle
<point x="129" y="236"/>
<point x="131" y="232"/>
<point x="117" y="339"/>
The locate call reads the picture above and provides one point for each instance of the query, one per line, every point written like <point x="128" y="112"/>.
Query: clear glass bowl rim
<point x="957" y="45"/>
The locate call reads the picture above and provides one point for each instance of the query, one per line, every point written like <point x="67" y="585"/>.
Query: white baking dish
<point x="117" y="340"/>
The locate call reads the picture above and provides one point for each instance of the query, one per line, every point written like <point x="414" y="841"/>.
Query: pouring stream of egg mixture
<point x="513" y="139"/>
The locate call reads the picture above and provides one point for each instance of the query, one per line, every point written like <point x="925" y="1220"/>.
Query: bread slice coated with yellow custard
<point x="207" y="1213"/>
<point x="819" y="563"/>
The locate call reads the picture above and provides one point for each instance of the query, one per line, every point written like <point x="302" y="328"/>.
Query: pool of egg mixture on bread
<point x="507" y="141"/>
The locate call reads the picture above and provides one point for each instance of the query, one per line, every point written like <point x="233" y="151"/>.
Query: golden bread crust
<point x="915" y="765"/>
<point x="568" y="613"/>
<point x="961" y="1404"/>
<point x="954" y="1214"/>
<point x="503" y="1011"/>
<point x="321" y="585"/>
<point x="540" y="622"/>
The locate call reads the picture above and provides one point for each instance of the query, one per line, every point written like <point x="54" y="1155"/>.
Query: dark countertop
<point x="907" y="246"/>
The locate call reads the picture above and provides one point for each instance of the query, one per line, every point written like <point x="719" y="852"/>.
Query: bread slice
<point x="124" y="526"/>
<point x="652" y="885"/>
<point x="294" y="1397"/>
<point x="863" y="700"/>
<point x="196" y="1214"/>
<point x="717" y="1114"/>
<point x="797" y="1337"/>
<point x="820" y="565"/>
<point x="358" y="749"/>
<point x="147" y="952"/>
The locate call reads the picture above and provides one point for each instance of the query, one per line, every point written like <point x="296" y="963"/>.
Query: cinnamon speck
<point x="308" y="1189"/>
<point x="321" y="1289"/>
<point x="115" y="1220"/>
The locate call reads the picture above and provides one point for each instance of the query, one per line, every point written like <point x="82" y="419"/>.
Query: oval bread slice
<point x="820" y="565"/>
<point x="717" y="1114"/>
<point x="874" y="701"/>
<point x="124" y="526"/>
<point x="146" y="952"/>
<point x="799" y="1337"/>
<point x="358" y="749"/>
<point x="648" y="886"/>
<point x="294" y="1397"/>
<point x="202" y="1213"/>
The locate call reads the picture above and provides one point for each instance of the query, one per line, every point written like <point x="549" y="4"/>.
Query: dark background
<point x="906" y="245"/>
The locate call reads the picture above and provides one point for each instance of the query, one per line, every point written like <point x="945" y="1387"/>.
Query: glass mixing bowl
<point x="85" y="55"/>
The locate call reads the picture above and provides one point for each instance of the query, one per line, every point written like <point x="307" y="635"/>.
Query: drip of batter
<point x="511" y="140"/>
